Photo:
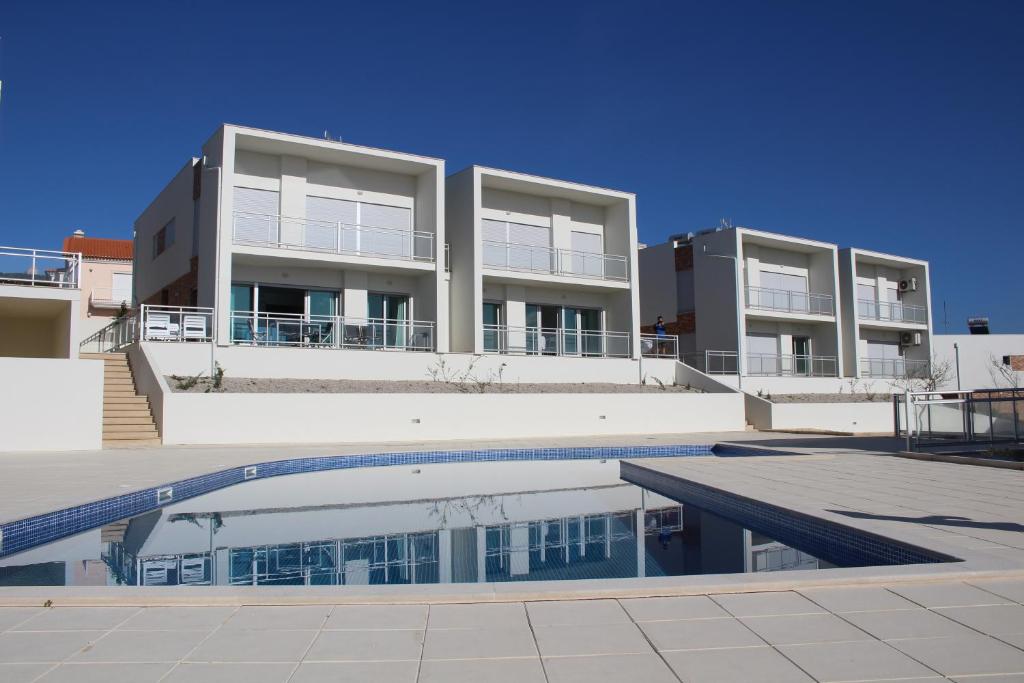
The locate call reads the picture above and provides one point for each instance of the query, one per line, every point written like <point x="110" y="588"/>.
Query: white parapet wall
<point x="873" y="417"/>
<point x="305" y="363"/>
<point x="366" y="418"/>
<point x="51" y="404"/>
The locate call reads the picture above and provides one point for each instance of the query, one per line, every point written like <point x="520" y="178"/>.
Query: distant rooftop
<point x="98" y="247"/>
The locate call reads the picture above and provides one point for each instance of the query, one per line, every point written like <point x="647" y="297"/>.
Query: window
<point x="517" y="246"/>
<point x="163" y="239"/>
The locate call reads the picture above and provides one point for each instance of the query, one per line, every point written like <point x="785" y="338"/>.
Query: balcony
<point x="788" y="301"/>
<point x="712" y="362"/>
<point x="109" y="298"/>
<point x="895" y="312"/>
<point x="300" y="234"/>
<point x="785" y="365"/>
<point x="176" y="323"/>
<point x="894" y="368"/>
<point x="552" y="341"/>
<point x="39" y="268"/>
<point x="525" y="258"/>
<point x="331" y="332"/>
<point x="654" y="346"/>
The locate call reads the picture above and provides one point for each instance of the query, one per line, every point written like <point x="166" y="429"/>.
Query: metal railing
<point x="176" y="323"/>
<point x="891" y="311"/>
<point x="109" y="298"/>
<point x="118" y="334"/>
<point x="555" y="341"/>
<point x="894" y="368"/>
<point x="282" y="232"/>
<point x="39" y="267"/>
<point x="959" y="417"/>
<point x="655" y="346"/>
<point x="537" y="259"/>
<point x="325" y="331"/>
<point x="712" y="362"/>
<point x="786" y="365"/>
<point x="787" y="301"/>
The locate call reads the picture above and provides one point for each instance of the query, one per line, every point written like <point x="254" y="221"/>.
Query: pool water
<point x="444" y="523"/>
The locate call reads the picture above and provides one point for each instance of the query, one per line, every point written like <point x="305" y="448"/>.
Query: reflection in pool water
<point x="451" y="523"/>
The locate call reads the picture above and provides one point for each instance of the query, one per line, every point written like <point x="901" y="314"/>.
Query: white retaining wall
<point x="300" y="363"/>
<point x="51" y="404"/>
<point x="857" y="418"/>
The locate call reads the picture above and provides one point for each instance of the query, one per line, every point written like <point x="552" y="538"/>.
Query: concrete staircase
<point x="127" y="418"/>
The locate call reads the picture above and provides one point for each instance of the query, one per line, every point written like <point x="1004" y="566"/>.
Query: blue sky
<point x="894" y="126"/>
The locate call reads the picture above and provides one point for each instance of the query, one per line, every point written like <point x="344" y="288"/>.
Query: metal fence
<point x="321" y="331"/>
<point x="538" y="259"/>
<point x="654" y="346"/>
<point x="176" y="323"/>
<point x="555" y="341"/>
<point x="894" y="368"/>
<point x="303" y="234"/>
<point x="117" y="335"/>
<point x="39" y="267"/>
<point x="789" y="301"/>
<point x="785" y="365"/>
<point x="959" y="417"/>
<point x="712" y="362"/>
<point x="891" y="311"/>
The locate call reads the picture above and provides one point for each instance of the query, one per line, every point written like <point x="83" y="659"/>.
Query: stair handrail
<point x="118" y="334"/>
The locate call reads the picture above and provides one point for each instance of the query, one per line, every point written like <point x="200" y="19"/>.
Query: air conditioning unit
<point x="910" y="339"/>
<point x="909" y="285"/>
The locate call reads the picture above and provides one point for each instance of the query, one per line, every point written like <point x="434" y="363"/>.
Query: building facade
<point x="106" y="279"/>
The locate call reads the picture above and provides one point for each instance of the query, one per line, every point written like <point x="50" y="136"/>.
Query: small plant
<point x="760" y="393"/>
<point x="48" y="603"/>
<point x="218" y="379"/>
<point x="661" y="385"/>
<point x="187" y="382"/>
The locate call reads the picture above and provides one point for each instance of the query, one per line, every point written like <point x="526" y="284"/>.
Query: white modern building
<point x="888" y="329"/>
<point x="746" y="302"/>
<point x="541" y="266"/>
<point x="284" y="240"/>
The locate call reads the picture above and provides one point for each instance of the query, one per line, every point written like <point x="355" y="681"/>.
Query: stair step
<point x="111" y="395"/>
<point x="144" y="419"/>
<point x="116" y="370"/>
<point x="127" y="410"/>
<point x="104" y="356"/>
<point x="132" y="401"/>
<point x="131" y="443"/>
<point x="118" y="379"/>
<point x="109" y="428"/>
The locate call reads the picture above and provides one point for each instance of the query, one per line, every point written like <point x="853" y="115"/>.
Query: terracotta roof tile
<point x="99" y="247"/>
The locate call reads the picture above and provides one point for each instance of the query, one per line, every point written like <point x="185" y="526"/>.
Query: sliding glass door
<point x="492" y="327"/>
<point x="389" y="319"/>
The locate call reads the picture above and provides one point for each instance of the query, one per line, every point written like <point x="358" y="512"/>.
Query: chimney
<point x="78" y="233"/>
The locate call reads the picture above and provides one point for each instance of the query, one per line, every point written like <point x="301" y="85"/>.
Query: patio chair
<point x="194" y="327"/>
<point x="256" y="336"/>
<point x="159" y="327"/>
<point x="351" y="336"/>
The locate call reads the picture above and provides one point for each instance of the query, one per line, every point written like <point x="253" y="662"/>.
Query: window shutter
<point x="531" y="248"/>
<point x="324" y="217"/>
<point x="256" y="215"/>
<point x="385" y="230"/>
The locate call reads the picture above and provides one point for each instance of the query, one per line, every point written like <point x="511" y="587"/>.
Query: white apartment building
<point x="279" y="240"/>
<point x="541" y="266"/>
<point x="888" y="331"/>
<point x="747" y="302"/>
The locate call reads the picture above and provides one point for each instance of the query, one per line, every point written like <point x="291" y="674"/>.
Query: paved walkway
<point x="34" y="483"/>
<point x="929" y="632"/>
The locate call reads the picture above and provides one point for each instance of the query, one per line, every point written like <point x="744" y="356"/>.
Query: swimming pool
<point x="421" y="521"/>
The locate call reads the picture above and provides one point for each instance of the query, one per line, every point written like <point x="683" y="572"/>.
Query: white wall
<point x="366" y="418"/>
<point x="857" y="418"/>
<point x="173" y="203"/>
<point x="976" y="354"/>
<point x="298" y="363"/>
<point x="51" y="404"/>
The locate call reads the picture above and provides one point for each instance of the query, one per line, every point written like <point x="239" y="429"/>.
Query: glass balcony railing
<point x="787" y="301"/>
<point x="891" y="311"/>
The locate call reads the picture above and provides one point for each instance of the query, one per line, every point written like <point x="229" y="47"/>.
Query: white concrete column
<point x="515" y="316"/>
<point x="355" y="304"/>
<point x="641" y="551"/>
<point x="293" y="198"/>
<point x="481" y="554"/>
<point x="444" y="556"/>
<point x="561" y="224"/>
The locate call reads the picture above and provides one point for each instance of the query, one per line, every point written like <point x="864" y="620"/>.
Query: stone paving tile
<point x="591" y="639"/>
<point x="230" y="672"/>
<point x="955" y="594"/>
<point x="77" y="619"/>
<point x="794" y="629"/>
<point x="766" y="604"/>
<point x="356" y="672"/>
<point x="663" y="609"/>
<point x="141" y="646"/>
<point x="527" y="670"/>
<point x="242" y="645"/>
<point x="1011" y="590"/>
<point x="856" y="599"/>
<point x="366" y="646"/>
<point x="479" y="643"/>
<point x="698" y="634"/>
<point x="608" y="669"/>
<point x="44" y="647"/>
<point x="478" y="615"/>
<point x="762" y="664"/>
<point x="913" y="623"/>
<point x="108" y="673"/>
<point x="860" y="661"/>
<point x="993" y="619"/>
<point x="972" y="654"/>
<point x="1015" y="639"/>
<point x="21" y="673"/>
<point x="179" y="618"/>
<point x="12" y="616"/>
<point x="568" y="612"/>
<point x="1008" y="678"/>
<point x="369" y="617"/>
<point x="278" y="618"/>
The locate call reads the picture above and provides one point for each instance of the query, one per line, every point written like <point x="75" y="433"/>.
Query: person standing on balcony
<point x="659" y="330"/>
